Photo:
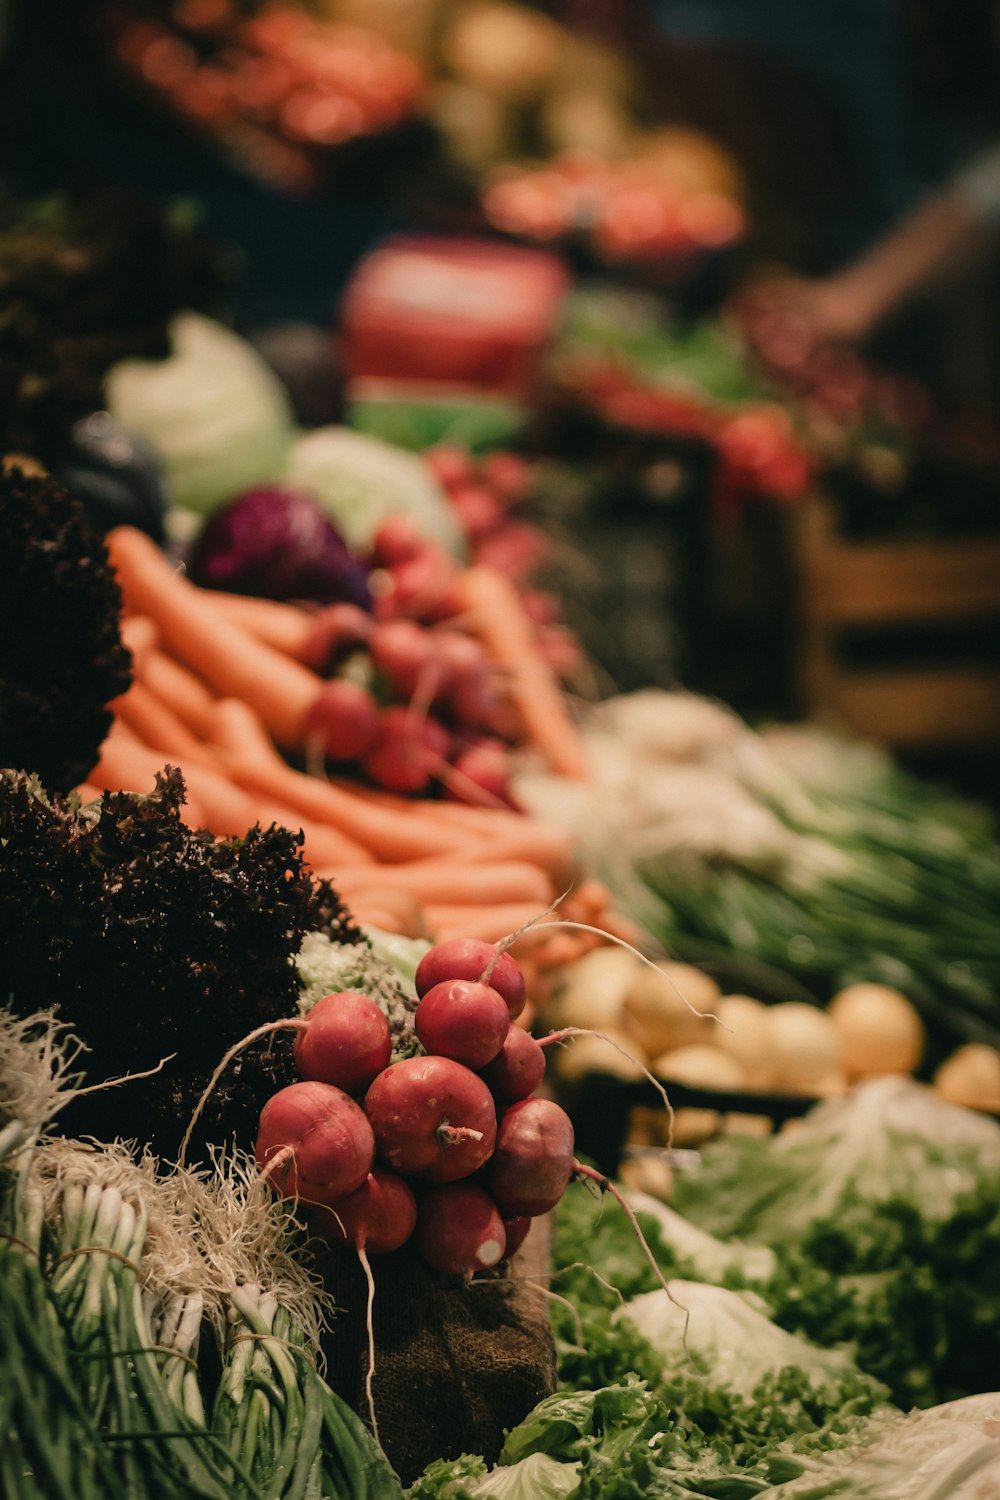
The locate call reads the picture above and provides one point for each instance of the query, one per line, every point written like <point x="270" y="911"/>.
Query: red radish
<point x="516" y="1231"/>
<point x="481" y="774"/>
<point x="533" y="1158"/>
<point x="336" y="631"/>
<point x="396" y="540"/>
<point x="407" y="752"/>
<point x="518" y="1068"/>
<point x="450" y="466"/>
<point x="379" y="1216"/>
<point x="345" y="720"/>
<point x="508" y="474"/>
<point x="407" y="654"/>
<point x="432" y="1118"/>
<point x="314" y="1142"/>
<point x="459" y="1229"/>
<point x="345" y="1041"/>
<point x="464" y="1020"/>
<point x="479" y="511"/>
<point x="516" y="548"/>
<point x="469" y="958"/>
<point x="420" y="587"/>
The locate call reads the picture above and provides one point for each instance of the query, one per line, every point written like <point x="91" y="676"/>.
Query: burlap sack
<point x="456" y="1363"/>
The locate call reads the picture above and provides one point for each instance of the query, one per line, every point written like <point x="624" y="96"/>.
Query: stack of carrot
<point x="222" y="692"/>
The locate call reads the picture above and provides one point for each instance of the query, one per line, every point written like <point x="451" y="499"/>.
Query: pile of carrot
<point x="220" y="691"/>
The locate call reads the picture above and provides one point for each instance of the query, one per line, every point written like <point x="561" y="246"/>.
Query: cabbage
<point x="537" y="1477"/>
<point x="950" y="1452"/>
<point x="888" y="1138"/>
<point x="727" y="1332"/>
<point x="711" y="1258"/>
<point x="360" y="480"/>
<point x="215" y="415"/>
<point x="279" y="544"/>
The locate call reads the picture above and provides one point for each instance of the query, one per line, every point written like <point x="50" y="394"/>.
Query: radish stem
<point x="234" y="1051"/>
<point x="570" y="1031"/>
<point x="607" y="1186"/>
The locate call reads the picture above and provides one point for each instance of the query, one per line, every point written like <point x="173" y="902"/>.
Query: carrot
<point x="488" y="923"/>
<point x="233" y="725"/>
<point x="229" y="659"/>
<point x="180" y="691"/>
<point x="323" y="846"/>
<point x="86" y="792"/>
<point x="392" y="911"/>
<point x="452" y="882"/>
<point x="139" y="636"/>
<point x="385" y="837"/>
<point x="131" y="767"/>
<point x="285" y="627"/>
<point x="157" y="726"/>
<point x="496" y="615"/>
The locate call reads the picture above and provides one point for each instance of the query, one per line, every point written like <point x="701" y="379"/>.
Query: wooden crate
<point x="846" y="586"/>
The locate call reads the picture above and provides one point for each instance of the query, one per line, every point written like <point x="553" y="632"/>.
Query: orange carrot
<point x="131" y="767"/>
<point x="391" y="911"/>
<point x="488" y="923"/>
<point x="86" y="792"/>
<point x="496" y="615"/>
<point x="179" y="690"/>
<point x="229" y="659"/>
<point x="233" y="725"/>
<point x="323" y="846"/>
<point x="157" y="726"/>
<point x="286" y="627"/>
<point x="139" y="636"/>
<point x="452" y="882"/>
<point x="387" y="838"/>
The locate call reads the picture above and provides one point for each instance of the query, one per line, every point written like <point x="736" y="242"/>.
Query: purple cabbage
<point x="278" y="543"/>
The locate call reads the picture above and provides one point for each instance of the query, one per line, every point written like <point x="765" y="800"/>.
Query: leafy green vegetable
<point x="62" y="659"/>
<point x="727" y="1334"/>
<point x="951" y="1452"/>
<point x="360" y="480"/>
<point x="159" y="943"/>
<point x="325" y="966"/>
<point x="887" y="1138"/>
<point x="214" y="413"/>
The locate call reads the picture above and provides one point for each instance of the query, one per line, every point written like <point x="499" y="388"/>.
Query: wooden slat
<point x="912" y="581"/>
<point x="913" y="708"/>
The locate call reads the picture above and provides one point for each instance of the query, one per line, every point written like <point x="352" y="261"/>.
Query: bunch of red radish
<point x="451" y="1148"/>
<point x="489" y="495"/>
<point x="412" y="706"/>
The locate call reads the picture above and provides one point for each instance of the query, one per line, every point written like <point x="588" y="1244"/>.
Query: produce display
<point x="327" y="903"/>
<point x="623" y="211"/>
<point x="791" y="847"/>
<point x="277" y="89"/>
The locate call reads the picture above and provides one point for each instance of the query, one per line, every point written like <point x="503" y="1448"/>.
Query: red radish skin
<point x="481" y="774"/>
<point x="469" y="958"/>
<point x="379" y="1216"/>
<point x="345" y="1041"/>
<point x="464" y="1020"/>
<point x="518" y="1068"/>
<point x="314" y="1142"/>
<point x="459" y="1230"/>
<point x="432" y="1118"/>
<point x="516" y="1231"/>
<point x="407" y="654"/>
<point x="344" y="719"/>
<point x="396" y="540"/>
<point x="335" y="632"/>
<point x="450" y="466"/>
<point x="533" y="1159"/>
<point x="407" y="752"/>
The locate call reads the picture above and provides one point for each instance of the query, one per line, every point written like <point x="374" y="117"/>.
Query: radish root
<point x="234" y="1051"/>
<point x="370" y="1326"/>
<point x="607" y="1186"/>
